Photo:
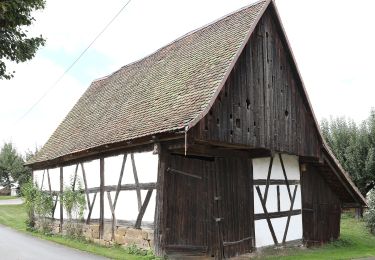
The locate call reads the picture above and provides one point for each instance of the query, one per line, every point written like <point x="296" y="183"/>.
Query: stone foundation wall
<point x="125" y="236"/>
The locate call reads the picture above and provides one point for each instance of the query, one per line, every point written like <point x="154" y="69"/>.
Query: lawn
<point x="14" y="216"/>
<point x="355" y="241"/>
<point x="7" y="197"/>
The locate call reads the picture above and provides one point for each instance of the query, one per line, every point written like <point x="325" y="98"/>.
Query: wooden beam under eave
<point x="136" y="145"/>
<point x="210" y="149"/>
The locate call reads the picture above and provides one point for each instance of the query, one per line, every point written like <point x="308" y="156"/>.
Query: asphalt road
<point x="15" y="201"/>
<point x="15" y="245"/>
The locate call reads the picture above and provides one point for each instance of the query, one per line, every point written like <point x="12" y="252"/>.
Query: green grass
<point x="14" y="216"/>
<point x="7" y="197"/>
<point x="355" y="242"/>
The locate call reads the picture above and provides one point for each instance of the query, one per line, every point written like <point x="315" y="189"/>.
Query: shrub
<point x="370" y="213"/>
<point x="39" y="204"/>
<point x="29" y="192"/>
<point x="74" y="203"/>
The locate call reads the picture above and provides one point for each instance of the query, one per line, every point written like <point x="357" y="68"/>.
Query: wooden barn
<point x="210" y="144"/>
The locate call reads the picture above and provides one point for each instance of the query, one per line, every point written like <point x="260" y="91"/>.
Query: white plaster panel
<point x="257" y="204"/>
<point x="54" y="175"/>
<point x="92" y="171"/>
<point x="260" y="168"/>
<point x="271" y="203"/>
<point x="279" y="225"/>
<point x="68" y="175"/>
<point x="284" y="197"/>
<point x="112" y="169"/>
<point x="127" y="205"/>
<point x="291" y="166"/>
<point x="147" y="166"/>
<point x="38" y="176"/>
<point x="263" y="235"/>
<point x="295" y="228"/>
<point x="277" y="170"/>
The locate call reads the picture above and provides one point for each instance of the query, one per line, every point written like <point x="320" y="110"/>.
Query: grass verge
<point x="355" y="242"/>
<point x="14" y="216"/>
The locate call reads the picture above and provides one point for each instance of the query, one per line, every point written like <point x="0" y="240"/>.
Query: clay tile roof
<point x="159" y="93"/>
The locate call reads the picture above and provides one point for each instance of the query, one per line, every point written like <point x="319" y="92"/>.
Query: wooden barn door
<point x="186" y="181"/>
<point x="233" y="207"/>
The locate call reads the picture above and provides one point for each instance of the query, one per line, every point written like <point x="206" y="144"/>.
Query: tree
<point x="12" y="167"/>
<point x="354" y="147"/>
<point x="15" y="45"/>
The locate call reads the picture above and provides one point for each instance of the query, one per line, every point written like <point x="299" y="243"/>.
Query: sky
<point x="332" y="41"/>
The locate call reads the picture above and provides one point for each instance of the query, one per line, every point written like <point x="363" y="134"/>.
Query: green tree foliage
<point x="15" y="45"/>
<point x="12" y="167"/>
<point x="370" y="213"/>
<point x="354" y="147"/>
<point x="39" y="206"/>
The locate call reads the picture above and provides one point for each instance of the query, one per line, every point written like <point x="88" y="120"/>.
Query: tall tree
<point x="354" y="147"/>
<point x="15" y="45"/>
<point x="12" y="167"/>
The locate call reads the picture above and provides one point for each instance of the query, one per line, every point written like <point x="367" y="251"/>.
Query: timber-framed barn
<point x="211" y="139"/>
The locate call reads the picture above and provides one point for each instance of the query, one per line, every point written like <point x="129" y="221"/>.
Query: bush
<point x="370" y="213"/>
<point x="74" y="203"/>
<point x="38" y="204"/>
<point x="29" y="192"/>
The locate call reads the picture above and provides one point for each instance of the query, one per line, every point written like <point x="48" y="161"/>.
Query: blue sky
<point x="332" y="42"/>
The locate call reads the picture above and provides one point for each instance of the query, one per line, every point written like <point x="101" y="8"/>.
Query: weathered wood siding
<point x="321" y="209"/>
<point x="262" y="103"/>
<point x="213" y="206"/>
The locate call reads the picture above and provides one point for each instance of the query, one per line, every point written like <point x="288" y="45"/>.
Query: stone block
<point x="133" y="233"/>
<point x="121" y="231"/>
<point x="119" y="239"/>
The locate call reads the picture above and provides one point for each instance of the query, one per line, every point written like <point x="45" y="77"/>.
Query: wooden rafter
<point x="139" y="198"/>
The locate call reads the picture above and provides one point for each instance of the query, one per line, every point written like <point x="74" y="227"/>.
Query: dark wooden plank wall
<point x="321" y="208"/>
<point x="192" y="205"/>
<point x="262" y="104"/>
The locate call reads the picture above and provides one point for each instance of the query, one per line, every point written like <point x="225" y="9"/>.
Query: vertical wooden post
<point x="101" y="220"/>
<point x="61" y="203"/>
<point x="159" y="231"/>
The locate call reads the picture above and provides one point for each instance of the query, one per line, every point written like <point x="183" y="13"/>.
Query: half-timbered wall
<point x="128" y="188"/>
<point x="262" y="103"/>
<point x="277" y="200"/>
<point x="321" y="208"/>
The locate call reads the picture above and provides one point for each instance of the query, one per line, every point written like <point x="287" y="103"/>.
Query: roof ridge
<point x="181" y="37"/>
